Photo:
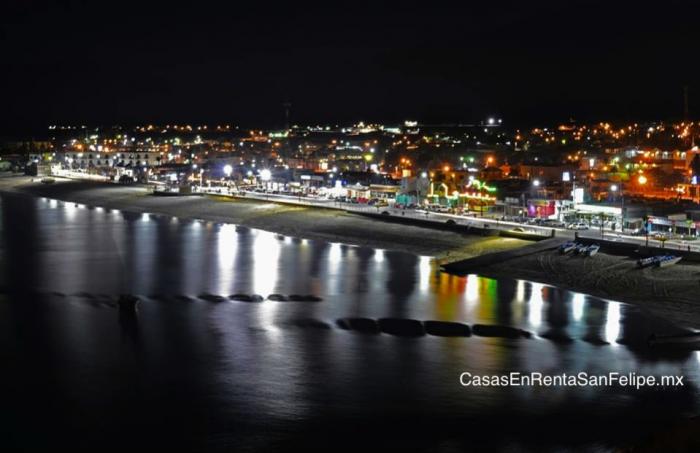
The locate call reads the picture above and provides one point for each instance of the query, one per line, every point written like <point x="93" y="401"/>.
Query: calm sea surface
<point x="189" y="373"/>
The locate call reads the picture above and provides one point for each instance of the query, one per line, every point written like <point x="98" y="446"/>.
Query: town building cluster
<point x="631" y="176"/>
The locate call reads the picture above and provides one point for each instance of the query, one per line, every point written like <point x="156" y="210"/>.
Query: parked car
<point x="554" y="223"/>
<point x="577" y="226"/>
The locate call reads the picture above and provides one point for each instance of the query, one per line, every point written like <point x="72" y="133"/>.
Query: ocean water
<point x="188" y="372"/>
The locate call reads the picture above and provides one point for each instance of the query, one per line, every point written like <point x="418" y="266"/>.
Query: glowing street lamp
<point x="228" y="170"/>
<point x="536" y="183"/>
<point x="642" y="179"/>
<point x="614" y="188"/>
<point x="265" y="174"/>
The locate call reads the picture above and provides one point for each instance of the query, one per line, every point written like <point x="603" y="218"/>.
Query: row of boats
<point x="578" y="248"/>
<point x="658" y="261"/>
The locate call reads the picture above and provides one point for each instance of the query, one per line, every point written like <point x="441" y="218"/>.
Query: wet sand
<point x="303" y="222"/>
<point x="672" y="293"/>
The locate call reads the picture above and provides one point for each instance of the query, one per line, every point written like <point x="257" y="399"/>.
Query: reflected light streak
<point x="335" y="255"/>
<point x="520" y="291"/>
<point x="266" y="251"/>
<point x="577" y="304"/>
<point x="472" y="290"/>
<point x="612" y="323"/>
<point x="70" y="209"/>
<point x="535" y="304"/>
<point x="227" y="245"/>
<point x="424" y="270"/>
<point x="379" y="256"/>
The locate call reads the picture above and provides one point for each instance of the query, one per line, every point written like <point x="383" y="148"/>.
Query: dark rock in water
<point x="312" y="298"/>
<point x="212" y="297"/>
<point x="364" y="325"/>
<point x="127" y="303"/>
<point x="484" y="330"/>
<point x="246" y="297"/>
<point x="311" y="324"/>
<point x="402" y="327"/>
<point x="278" y="297"/>
<point x="304" y="298"/>
<point x="447" y="329"/>
<point x="343" y="323"/>
<point x="182" y="298"/>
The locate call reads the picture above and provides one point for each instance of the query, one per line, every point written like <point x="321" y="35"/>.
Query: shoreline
<point x="303" y="222"/>
<point x="669" y="293"/>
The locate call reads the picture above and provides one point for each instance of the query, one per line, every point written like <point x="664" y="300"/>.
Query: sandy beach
<point x="670" y="293"/>
<point x="303" y="222"/>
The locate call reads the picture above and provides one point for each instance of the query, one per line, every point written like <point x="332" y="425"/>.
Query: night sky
<point x="527" y="62"/>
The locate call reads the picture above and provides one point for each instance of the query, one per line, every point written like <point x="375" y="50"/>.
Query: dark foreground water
<point x="188" y="373"/>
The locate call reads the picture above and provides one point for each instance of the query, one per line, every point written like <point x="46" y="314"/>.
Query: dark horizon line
<point x="45" y="130"/>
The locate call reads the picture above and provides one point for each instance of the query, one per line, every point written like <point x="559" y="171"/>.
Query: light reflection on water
<point x="250" y="356"/>
<point x="148" y="254"/>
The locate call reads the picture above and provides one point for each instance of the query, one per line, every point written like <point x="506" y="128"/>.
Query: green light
<point x="481" y="185"/>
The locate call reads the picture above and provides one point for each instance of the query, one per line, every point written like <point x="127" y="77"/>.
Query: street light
<point x="228" y="170"/>
<point x="616" y="188"/>
<point x="536" y="183"/>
